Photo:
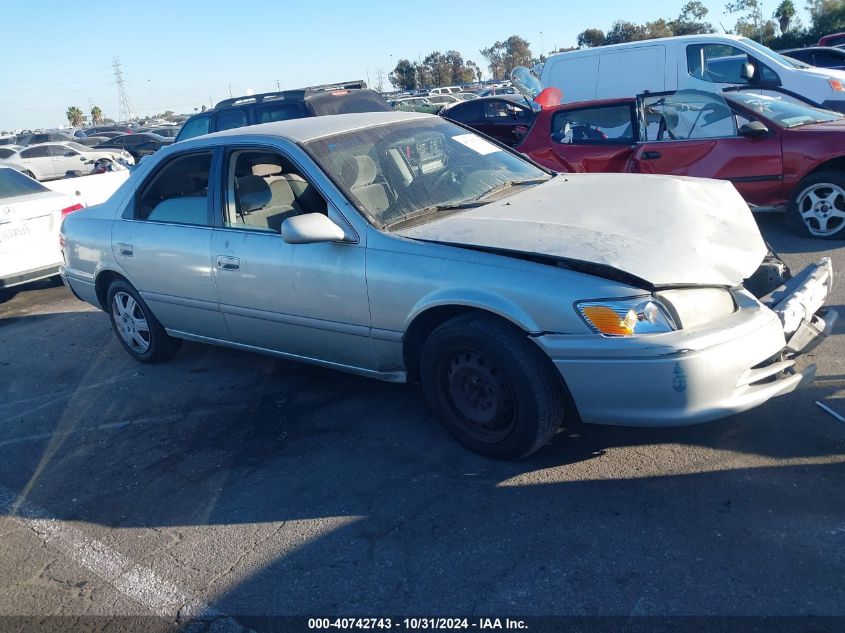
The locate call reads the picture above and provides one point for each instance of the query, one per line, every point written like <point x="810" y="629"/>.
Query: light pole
<point x="542" y="50"/>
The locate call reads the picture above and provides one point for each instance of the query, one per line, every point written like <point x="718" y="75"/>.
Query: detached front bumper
<point x="687" y="377"/>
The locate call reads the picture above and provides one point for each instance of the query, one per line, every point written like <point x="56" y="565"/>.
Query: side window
<point x="231" y="119"/>
<point x="717" y="63"/>
<point x="194" y="127"/>
<point x="607" y="125"/>
<point x="39" y="151"/>
<point x="495" y="110"/>
<point x="279" y="112"/>
<point x="687" y="115"/>
<point x="464" y="113"/>
<point x="264" y="189"/>
<point x="177" y="193"/>
<point x="61" y="150"/>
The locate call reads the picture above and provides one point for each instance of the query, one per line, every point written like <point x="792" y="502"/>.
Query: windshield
<point x="414" y="170"/>
<point x="786" y="61"/>
<point x="782" y="109"/>
<point x="13" y="184"/>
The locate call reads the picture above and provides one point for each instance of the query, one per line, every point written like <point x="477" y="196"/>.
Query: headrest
<point x="266" y="169"/>
<point x="358" y="171"/>
<point x="253" y="193"/>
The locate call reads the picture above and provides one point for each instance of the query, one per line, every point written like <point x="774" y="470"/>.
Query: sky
<point x="182" y="54"/>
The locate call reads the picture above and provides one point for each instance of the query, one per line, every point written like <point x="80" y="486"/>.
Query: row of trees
<point x="783" y="30"/>
<point x="444" y="69"/>
<point x="76" y="117"/>
<point x="437" y="69"/>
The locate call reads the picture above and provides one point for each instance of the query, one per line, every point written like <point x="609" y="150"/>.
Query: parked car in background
<point x="9" y="150"/>
<point x="422" y="251"/>
<point x="49" y="161"/>
<point x="34" y="138"/>
<point x="347" y="97"/>
<point x="498" y="90"/>
<point x="103" y="134"/>
<point x="465" y="96"/>
<point x="690" y="62"/>
<point x="416" y="104"/>
<point x="171" y="131"/>
<point x="30" y="216"/>
<point x="8" y="140"/>
<point x="835" y="39"/>
<point x="444" y="99"/>
<point x="779" y="152"/>
<point x="137" y="145"/>
<point x="445" y="90"/>
<point x="506" y="119"/>
<point x="819" y="56"/>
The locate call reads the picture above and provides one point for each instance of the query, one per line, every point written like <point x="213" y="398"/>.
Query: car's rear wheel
<point x="26" y="172"/>
<point x="818" y="206"/>
<point x="136" y="327"/>
<point x="491" y="387"/>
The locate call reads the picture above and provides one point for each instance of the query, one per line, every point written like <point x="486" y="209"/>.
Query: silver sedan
<point x="407" y="248"/>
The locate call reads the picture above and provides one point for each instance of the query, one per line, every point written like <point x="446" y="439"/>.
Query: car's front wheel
<point x="491" y="387"/>
<point x="818" y="206"/>
<point x="136" y="327"/>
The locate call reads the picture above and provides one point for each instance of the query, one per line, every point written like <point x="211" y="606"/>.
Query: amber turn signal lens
<point x="606" y="321"/>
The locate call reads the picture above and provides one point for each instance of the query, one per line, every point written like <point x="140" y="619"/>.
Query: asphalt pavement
<point x="237" y="486"/>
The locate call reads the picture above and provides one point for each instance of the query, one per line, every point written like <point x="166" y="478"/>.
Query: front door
<point x="307" y="300"/>
<point x="163" y="243"/>
<point x="691" y="133"/>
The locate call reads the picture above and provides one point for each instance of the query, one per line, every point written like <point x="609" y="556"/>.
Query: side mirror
<point x="752" y="129"/>
<point x="310" y="228"/>
<point x="746" y="71"/>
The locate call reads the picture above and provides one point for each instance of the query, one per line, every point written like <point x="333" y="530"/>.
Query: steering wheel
<point x="450" y="178"/>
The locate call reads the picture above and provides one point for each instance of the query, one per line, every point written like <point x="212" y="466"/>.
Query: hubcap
<point x="481" y="394"/>
<point x="822" y="208"/>
<point x="130" y="322"/>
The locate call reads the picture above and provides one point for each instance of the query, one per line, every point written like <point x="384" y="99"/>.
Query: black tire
<point x="26" y="172"/>
<point x="159" y="346"/>
<point x="491" y="387"/>
<point x="820" y="223"/>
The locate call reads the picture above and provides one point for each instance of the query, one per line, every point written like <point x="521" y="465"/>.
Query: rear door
<point x="691" y="133"/>
<point x="38" y="161"/>
<point x="591" y="138"/>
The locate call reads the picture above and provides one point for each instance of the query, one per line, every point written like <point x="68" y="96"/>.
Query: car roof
<point x="310" y="128"/>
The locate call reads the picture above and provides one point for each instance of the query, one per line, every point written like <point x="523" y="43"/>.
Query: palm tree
<point x="96" y="115"/>
<point x="75" y="116"/>
<point x="784" y="14"/>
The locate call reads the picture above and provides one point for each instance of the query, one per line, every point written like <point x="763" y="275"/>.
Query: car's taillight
<point x="71" y="209"/>
<point x="338" y="93"/>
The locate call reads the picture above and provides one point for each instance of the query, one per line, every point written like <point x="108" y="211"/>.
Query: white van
<point x="445" y="90"/>
<point x="702" y="62"/>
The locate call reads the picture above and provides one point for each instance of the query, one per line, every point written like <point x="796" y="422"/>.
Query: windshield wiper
<point x="510" y="183"/>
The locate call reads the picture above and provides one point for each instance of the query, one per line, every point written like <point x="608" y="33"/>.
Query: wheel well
<point x="429" y="320"/>
<point x="102" y="283"/>
<point x="836" y="164"/>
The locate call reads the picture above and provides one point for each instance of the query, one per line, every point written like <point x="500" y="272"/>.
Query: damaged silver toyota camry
<point x="407" y="248"/>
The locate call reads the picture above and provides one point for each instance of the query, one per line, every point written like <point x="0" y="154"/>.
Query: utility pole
<point x="124" y="107"/>
<point x="278" y="85"/>
<point x="541" y="44"/>
<point x="230" y="89"/>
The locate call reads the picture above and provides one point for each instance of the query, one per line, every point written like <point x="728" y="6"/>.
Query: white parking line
<point x="137" y="583"/>
<point x="101" y="427"/>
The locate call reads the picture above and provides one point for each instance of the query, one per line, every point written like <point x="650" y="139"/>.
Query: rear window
<point x="14" y="184"/>
<point x="231" y="119"/>
<point x="347" y="101"/>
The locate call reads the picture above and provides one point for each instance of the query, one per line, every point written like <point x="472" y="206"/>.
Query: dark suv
<point x="340" y="98"/>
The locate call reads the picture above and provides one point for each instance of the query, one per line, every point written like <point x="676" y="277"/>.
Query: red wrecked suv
<point x="780" y="152"/>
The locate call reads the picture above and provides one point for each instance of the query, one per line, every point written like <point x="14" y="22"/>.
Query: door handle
<point x="125" y="249"/>
<point x="651" y="155"/>
<point x="228" y="263"/>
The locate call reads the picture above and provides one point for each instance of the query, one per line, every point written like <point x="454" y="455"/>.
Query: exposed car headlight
<point x="626" y="317"/>
<point x="691" y="307"/>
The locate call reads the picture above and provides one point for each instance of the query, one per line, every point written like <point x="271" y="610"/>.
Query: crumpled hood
<point x="666" y="230"/>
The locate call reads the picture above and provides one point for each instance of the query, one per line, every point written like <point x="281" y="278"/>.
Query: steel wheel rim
<point x="822" y="208"/>
<point x="479" y="394"/>
<point x="131" y="322"/>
